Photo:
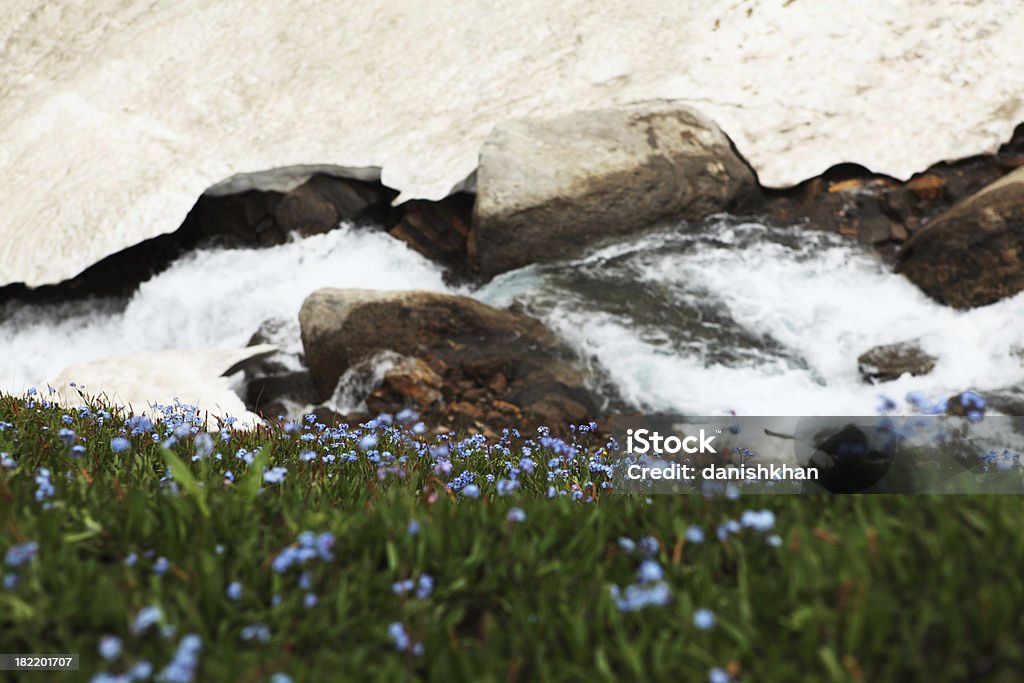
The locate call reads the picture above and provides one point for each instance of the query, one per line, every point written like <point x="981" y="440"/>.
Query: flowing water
<point x="724" y="316"/>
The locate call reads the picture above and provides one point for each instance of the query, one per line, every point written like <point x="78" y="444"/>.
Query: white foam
<point x="825" y="302"/>
<point x="209" y="298"/>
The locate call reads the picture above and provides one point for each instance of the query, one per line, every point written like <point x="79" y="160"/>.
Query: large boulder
<point x="464" y="363"/>
<point x="972" y="254"/>
<point x="549" y="188"/>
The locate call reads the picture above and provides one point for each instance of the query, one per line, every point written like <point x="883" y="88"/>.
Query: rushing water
<point x="726" y="316"/>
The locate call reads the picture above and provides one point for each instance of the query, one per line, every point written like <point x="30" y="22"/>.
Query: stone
<point x="550" y="188"/>
<point x="972" y="254"/>
<point x="891" y="361"/>
<point x="459" y="348"/>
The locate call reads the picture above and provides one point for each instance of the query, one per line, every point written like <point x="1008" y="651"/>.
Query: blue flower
<point x="161" y="565"/>
<point x="637" y="597"/>
<point x="413" y="528"/>
<point x="309" y="601"/>
<point x="140" y="671"/>
<point x="234" y="591"/>
<point x="7" y="462"/>
<point x="182" y="667"/>
<point x="774" y="540"/>
<point x="67" y="436"/>
<point x="204" y="445"/>
<point x="704" y="619"/>
<point x="45" y="489"/>
<point x="694" y="534"/>
<point x="109" y="648"/>
<point x="471" y="491"/>
<point x="398" y="636"/>
<point x="762" y="520"/>
<point x="275" y="475"/>
<point x="147" y="617"/>
<point x="718" y="675"/>
<point x="258" y="632"/>
<point x="10" y="581"/>
<point x="18" y="555"/>
<point x="119" y="444"/>
<point x="649" y="572"/>
<point x="280" y="678"/>
<point x="627" y="545"/>
<point x="424" y="587"/>
<point x="516" y="516"/>
<point x="649" y="546"/>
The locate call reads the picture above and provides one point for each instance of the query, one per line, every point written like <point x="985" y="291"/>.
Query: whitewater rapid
<point x="697" y="320"/>
<point x="210" y="297"/>
<point x="741" y="317"/>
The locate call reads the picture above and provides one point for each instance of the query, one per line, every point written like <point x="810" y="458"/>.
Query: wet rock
<point x="439" y="230"/>
<point x="890" y="361"/>
<point x="467" y="362"/>
<point x="973" y="254"/>
<point x="548" y="189"/>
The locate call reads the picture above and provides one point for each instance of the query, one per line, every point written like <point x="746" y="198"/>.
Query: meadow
<point x="179" y="549"/>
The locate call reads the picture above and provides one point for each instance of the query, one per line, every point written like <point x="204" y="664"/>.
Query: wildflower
<point x="309" y="601"/>
<point x="280" y="678"/>
<point x="109" y="648"/>
<point x="141" y="670"/>
<point x="182" y="667"/>
<point x="471" y="491"/>
<point x="234" y="591"/>
<point x="161" y="565"/>
<point x="119" y="444"/>
<point x="649" y="572"/>
<point x="627" y="545"/>
<point x="18" y="555"/>
<point x="67" y="436"/>
<point x="258" y="632"/>
<point x="527" y="465"/>
<point x="506" y="486"/>
<point x="694" y="534"/>
<point x="762" y="520"/>
<point x="637" y="597"/>
<point x="204" y="445"/>
<point x="45" y="489"/>
<point x="147" y="617"/>
<point x="7" y="462"/>
<point x="774" y="540"/>
<point x="719" y="675"/>
<point x="413" y="528"/>
<point x="77" y="451"/>
<point x="649" y="546"/>
<point x="406" y="416"/>
<point x="516" y="516"/>
<point x="704" y="619"/>
<point x="139" y="424"/>
<point x="10" y="581"/>
<point x="367" y="442"/>
<point x="425" y="586"/>
<point x="307" y="456"/>
<point x="275" y="475"/>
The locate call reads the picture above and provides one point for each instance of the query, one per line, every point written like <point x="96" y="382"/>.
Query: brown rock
<point x="971" y="255"/>
<point x="889" y="362"/>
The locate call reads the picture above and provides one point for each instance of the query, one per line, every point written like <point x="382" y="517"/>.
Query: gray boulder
<point x="973" y="254"/>
<point x="548" y="189"/>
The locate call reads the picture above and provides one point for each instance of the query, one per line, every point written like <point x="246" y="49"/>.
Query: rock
<point x="415" y="383"/>
<point x="438" y="230"/>
<point x="457" y="349"/>
<point x="972" y="254"/>
<point x="890" y="361"/>
<point x="548" y="189"/>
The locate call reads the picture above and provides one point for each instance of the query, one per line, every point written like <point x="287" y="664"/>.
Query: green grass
<point x="861" y="588"/>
